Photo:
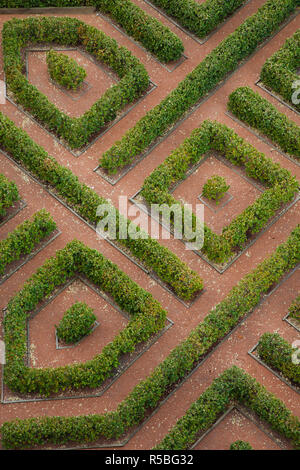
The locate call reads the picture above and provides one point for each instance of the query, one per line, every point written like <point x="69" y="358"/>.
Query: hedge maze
<point x="137" y="341"/>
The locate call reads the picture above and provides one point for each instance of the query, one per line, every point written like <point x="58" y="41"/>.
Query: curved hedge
<point x="85" y="201"/>
<point x="199" y="18"/>
<point x="233" y="385"/>
<point x="260" y="114"/>
<point x="150" y="32"/>
<point x="76" y="131"/>
<point x="25" y="237"/>
<point x="242" y="299"/>
<point x="280" y="71"/>
<point x="8" y="194"/>
<point x="277" y="353"/>
<point x="207" y="75"/>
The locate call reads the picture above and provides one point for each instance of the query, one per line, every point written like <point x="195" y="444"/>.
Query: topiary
<point x="76" y="323"/>
<point x="241" y="445"/>
<point x="215" y="188"/>
<point x="65" y="70"/>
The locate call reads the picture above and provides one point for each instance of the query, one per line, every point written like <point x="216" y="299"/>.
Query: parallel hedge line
<point x="281" y="185"/>
<point x="260" y="114"/>
<point x="280" y="71"/>
<point x="76" y="131"/>
<point x="242" y="299"/>
<point x="25" y="237"/>
<point x="233" y="385"/>
<point x="8" y="194"/>
<point x="202" y="18"/>
<point x="150" y="32"/>
<point x="277" y="353"/>
<point x="185" y="282"/>
<point x="221" y="61"/>
<point x="146" y="318"/>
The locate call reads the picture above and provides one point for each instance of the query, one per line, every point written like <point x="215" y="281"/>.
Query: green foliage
<point x="281" y="185"/>
<point x="25" y="237"/>
<point x="85" y="201"/>
<point x="202" y="18"/>
<point x="64" y="70"/>
<point x="76" y="323"/>
<point x="215" y="188"/>
<point x="8" y="194"/>
<point x="76" y="131"/>
<point x="150" y="32"/>
<point x="241" y="445"/>
<point x="277" y="353"/>
<point x="260" y="114"/>
<point x="294" y="310"/>
<point x="280" y="71"/>
<point x="233" y="385"/>
<point x="215" y="67"/>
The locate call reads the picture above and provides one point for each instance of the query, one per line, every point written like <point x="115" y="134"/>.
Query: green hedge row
<point x="64" y="70"/>
<point x="25" y="237"/>
<point x="260" y="114"/>
<point x="85" y="201"/>
<point x="198" y="18"/>
<point x="215" y="67"/>
<point x="294" y="310"/>
<point x="281" y="185"/>
<point x="233" y="385"/>
<point x="146" y="318"/>
<point x="76" y="131"/>
<point x="8" y="194"/>
<point x="150" y="32"/>
<point x="76" y="323"/>
<point x="280" y="71"/>
<point x="277" y="353"/>
<point x="242" y="299"/>
<point x="241" y="445"/>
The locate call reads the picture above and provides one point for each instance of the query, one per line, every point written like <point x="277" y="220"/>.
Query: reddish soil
<point x="267" y="317"/>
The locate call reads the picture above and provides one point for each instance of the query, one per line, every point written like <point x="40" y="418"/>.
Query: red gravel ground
<point x="267" y="317"/>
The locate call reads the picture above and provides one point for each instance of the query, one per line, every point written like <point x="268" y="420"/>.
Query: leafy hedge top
<point x="8" y="194"/>
<point x="241" y="445"/>
<point x="76" y="323"/>
<point x="65" y="70"/>
<point x="294" y="309"/>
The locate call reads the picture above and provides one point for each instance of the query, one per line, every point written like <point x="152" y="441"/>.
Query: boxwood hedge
<point x="76" y="323"/>
<point x="260" y="114"/>
<point x="294" y="310"/>
<point x="76" y="131"/>
<point x="241" y="300"/>
<point x="241" y="445"/>
<point x="8" y="194"/>
<point x="85" y="201"/>
<point x="215" y="67"/>
<point x="64" y="70"/>
<point x="150" y="32"/>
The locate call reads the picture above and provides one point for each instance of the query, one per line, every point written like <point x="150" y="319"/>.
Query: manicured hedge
<point x="280" y="71"/>
<point x="76" y="323"/>
<point x="8" y="194"/>
<point x="294" y="310"/>
<point x="150" y="32"/>
<point x="215" y="188"/>
<point x="242" y="299"/>
<point x="85" y="201"/>
<point x="260" y="114"/>
<point x="25" y="237"/>
<point x="233" y="385"/>
<point x="64" y="70"/>
<point x="215" y="67"/>
<point x="146" y="318"/>
<point x="202" y="18"/>
<point x="76" y="131"/>
<point x="241" y="445"/>
<point x="281" y="185"/>
<point x="277" y="353"/>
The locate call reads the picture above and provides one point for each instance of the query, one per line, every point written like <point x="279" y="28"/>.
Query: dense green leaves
<point x="64" y="70"/>
<point x="76" y="323"/>
<point x="294" y="310"/>
<point x="215" y="188"/>
<point x="8" y="194"/>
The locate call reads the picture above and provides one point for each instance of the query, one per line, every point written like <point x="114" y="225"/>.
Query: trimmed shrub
<point x="280" y="71"/>
<point x="215" y="67"/>
<point x="277" y="353"/>
<point x="76" y="323"/>
<point x="145" y="396"/>
<point x="260" y="114"/>
<point x="149" y="31"/>
<point x="215" y="188"/>
<point x="25" y="237"/>
<point x="85" y="201"/>
<point x="294" y="310"/>
<point x="241" y="445"/>
<point x="8" y="194"/>
<point x="64" y="70"/>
